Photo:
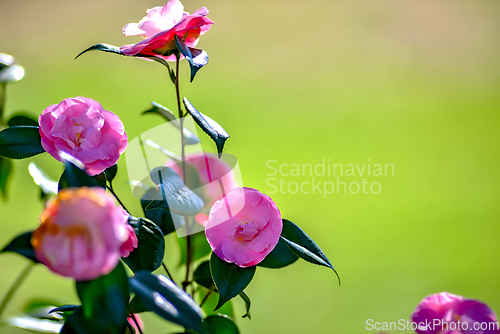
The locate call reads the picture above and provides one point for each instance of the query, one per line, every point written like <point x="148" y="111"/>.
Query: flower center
<point x="245" y="231"/>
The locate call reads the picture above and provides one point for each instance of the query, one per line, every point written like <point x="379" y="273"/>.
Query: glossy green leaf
<point x="202" y="275"/>
<point x="212" y="301"/>
<point x="5" y="173"/>
<point x="163" y="297"/>
<point x="229" y="278"/>
<point x="19" y="119"/>
<point x="105" y="299"/>
<point x="75" y="174"/>
<point x="166" y="220"/>
<point x="110" y="172"/>
<point x="22" y="246"/>
<point x="33" y="324"/>
<point x="209" y="126"/>
<point x="65" y="308"/>
<point x="77" y="323"/>
<point x="151" y="246"/>
<point x="220" y="324"/>
<point x="173" y="194"/>
<point x="20" y="142"/>
<point x="246" y="299"/>
<point x="190" y="138"/>
<point x="197" y="58"/>
<point x="304" y="246"/>
<point x="116" y="50"/>
<point x="46" y="184"/>
<point x="281" y="256"/>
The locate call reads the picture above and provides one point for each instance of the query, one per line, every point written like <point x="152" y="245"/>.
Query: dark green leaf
<point x="19" y="142"/>
<point x="65" y="308"/>
<point x="166" y="220"/>
<point x="196" y="58"/>
<point x="5" y="172"/>
<point x="173" y="194"/>
<point x="110" y="172"/>
<point x="77" y="323"/>
<point x="116" y="50"/>
<point x="229" y="278"/>
<point x="137" y="306"/>
<point x="164" y="298"/>
<point x="151" y="246"/>
<point x="209" y="126"/>
<point x="190" y="138"/>
<point x="22" y="246"/>
<point x="202" y="275"/>
<point x="47" y="185"/>
<point x="17" y="120"/>
<point x="304" y="246"/>
<point x="75" y="174"/>
<point x="281" y="256"/>
<point x="220" y="324"/>
<point x="105" y="299"/>
<point x="211" y="302"/>
<point x="246" y="299"/>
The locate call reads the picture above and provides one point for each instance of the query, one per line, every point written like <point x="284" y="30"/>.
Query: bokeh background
<point x="411" y="83"/>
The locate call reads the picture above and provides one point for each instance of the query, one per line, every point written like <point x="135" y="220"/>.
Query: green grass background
<point x="409" y="83"/>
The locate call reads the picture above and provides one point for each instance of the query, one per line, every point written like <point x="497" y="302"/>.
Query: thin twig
<point x="110" y="188"/>
<point x="168" y="272"/>
<point x="212" y="288"/>
<point x="132" y="315"/>
<point x="17" y="283"/>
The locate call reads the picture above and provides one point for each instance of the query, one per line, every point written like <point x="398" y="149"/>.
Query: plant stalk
<point x="3" y="98"/>
<point x="17" y="283"/>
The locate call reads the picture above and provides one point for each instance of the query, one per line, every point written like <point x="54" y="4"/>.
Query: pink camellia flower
<point x="216" y="176"/>
<point x="160" y="26"/>
<point x="82" y="128"/>
<point x="244" y="227"/>
<point x="130" y="244"/>
<point x="136" y="322"/>
<point x="82" y="233"/>
<point x="445" y="313"/>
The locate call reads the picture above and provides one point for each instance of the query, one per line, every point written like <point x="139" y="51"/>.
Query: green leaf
<point x="173" y="194"/>
<point x="281" y="256"/>
<point x="75" y="174"/>
<point x="22" y="246"/>
<point x="211" y="302"/>
<point x="105" y="299"/>
<point x="208" y="125"/>
<point x="202" y="275"/>
<point x="20" y="119"/>
<point x="20" y="142"/>
<point x="229" y="278"/>
<point x="65" y="308"/>
<point x="190" y="138"/>
<point x="220" y="324"/>
<point x="33" y="324"/>
<point x="304" y="246"/>
<point x="116" y="50"/>
<point x="76" y="323"/>
<point x="46" y="184"/>
<point x="110" y="172"/>
<point x="166" y="220"/>
<point x="151" y="246"/>
<point x="5" y="172"/>
<point x="197" y="58"/>
<point x="163" y="297"/>
<point x="246" y="299"/>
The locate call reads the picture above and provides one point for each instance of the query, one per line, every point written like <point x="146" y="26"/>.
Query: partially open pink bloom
<point x="244" y="227"/>
<point x="82" y="128"/>
<point x="445" y="313"/>
<point x="81" y="234"/>
<point x="216" y="176"/>
<point x="131" y="243"/>
<point x="160" y="26"/>
<point x="137" y="321"/>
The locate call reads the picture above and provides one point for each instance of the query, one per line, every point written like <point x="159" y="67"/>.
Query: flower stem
<point x="110" y="188"/>
<point x="17" y="283"/>
<point x="168" y="272"/>
<point x="3" y="98"/>
<point x="186" y="282"/>
<point x="212" y="288"/>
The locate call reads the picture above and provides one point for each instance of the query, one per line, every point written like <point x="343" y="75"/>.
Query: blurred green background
<point x="411" y="83"/>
